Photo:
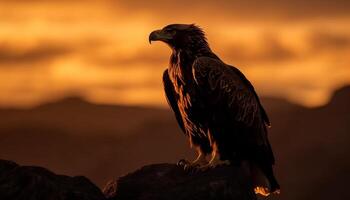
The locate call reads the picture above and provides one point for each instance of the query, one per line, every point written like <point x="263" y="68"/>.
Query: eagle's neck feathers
<point x="181" y="59"/>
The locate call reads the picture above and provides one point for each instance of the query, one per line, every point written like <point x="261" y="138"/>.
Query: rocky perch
<point x="153" y="182"/>
<point x="168" y="181"/>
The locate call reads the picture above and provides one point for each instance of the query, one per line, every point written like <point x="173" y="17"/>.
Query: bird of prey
<point x="216" y="107"/>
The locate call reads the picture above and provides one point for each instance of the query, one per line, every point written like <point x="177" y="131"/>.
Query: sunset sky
<point x="98" y="49"/>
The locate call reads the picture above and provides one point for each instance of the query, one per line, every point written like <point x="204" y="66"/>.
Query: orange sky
<point x="99" y="49"/>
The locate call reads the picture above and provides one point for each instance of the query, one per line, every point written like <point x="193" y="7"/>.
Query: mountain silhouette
<point x="341" y="97"/>
<point x="75" y="137"/>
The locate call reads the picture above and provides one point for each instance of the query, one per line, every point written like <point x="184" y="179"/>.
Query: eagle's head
<point x="180" y="36"/>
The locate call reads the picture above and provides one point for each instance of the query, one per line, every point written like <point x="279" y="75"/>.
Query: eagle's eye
<point x="171" y="31"/>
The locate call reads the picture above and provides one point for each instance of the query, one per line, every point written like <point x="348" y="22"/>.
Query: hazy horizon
<point x="81" y="99"/>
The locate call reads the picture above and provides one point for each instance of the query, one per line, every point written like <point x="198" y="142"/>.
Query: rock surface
<point x="36" y="183"/>
<point x="168" y="181"/>
<point x="152" y="182"/>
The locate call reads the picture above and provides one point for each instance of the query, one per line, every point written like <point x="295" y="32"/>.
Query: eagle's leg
<point x="199" y="161"/>
<point x="214" y="161"/>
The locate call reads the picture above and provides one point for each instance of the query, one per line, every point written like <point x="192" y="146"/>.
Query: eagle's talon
<point x="187" y="167"/>
<point x="195" y="170"/>
<point x="206" y="168"/>
<point x="214" y="164"/>
<point x="182" y="163"/>
<point x="191" y="168"/>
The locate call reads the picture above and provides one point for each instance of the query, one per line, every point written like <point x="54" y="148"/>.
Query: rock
<point x="152" y="182"/>
<point x="37" y="183"/>
<point x="168" y="181"/>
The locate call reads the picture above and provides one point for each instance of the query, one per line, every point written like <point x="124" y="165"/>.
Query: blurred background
<point x="81" y="90"/>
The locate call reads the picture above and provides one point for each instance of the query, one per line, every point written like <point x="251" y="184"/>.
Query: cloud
<point x="10" y="54"/>
<point x="243" y="10"/>
<point x="335" y="44"/>
<point x="120" y="59"/>
<point x="327" y="40"/>
<point x="143" y="56"/>
<point x="271" y="50"/>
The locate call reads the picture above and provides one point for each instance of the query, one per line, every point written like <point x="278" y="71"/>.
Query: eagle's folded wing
<point x="172" y="98"/>
<point x="225" y="87"/>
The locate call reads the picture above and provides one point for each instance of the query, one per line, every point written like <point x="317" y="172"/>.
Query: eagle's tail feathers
<point x="264" y="181"/>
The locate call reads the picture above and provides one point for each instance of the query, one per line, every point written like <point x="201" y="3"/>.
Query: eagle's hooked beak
<point x="159" y="35"/>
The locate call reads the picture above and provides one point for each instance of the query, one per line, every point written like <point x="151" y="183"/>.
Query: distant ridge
<point x="341" y="97"/>
<point x="100" y="141"/>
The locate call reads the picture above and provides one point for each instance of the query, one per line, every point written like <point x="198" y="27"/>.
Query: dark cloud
<point x="152" y="84"/>
<point x="238" y="9"/>
<point x="257" y="9"/>
<point x="142" y="56"/>
<point x="327" y="40"/>
<point x="272" y="51"/>
<point x="43" y="1"/>
<point x="276" y="51"/>
<point x="10" y="54"/>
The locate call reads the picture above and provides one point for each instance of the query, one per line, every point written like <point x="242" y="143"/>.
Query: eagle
<point x="216" y="107"/>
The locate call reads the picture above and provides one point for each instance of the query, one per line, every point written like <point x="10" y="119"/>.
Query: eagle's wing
<point x="250" y="86"/>
<point x="172" y="97"/>
<point x="226" y="89"/>
<point x="226" y="85"/>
